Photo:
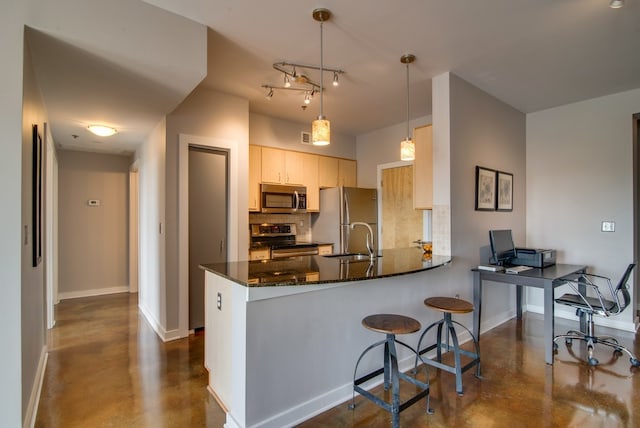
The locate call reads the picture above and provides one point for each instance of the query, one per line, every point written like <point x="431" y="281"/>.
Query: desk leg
<point x="548" y="321"/>
<point x="477" y="304"/>
<point x="582" y="289"/>
<point x="519" y="301"/>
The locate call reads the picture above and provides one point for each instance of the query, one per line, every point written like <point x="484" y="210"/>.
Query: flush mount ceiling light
<point x="102" y="130"/>
<point x="407" y="147"/>
<point x="616" y="4"/>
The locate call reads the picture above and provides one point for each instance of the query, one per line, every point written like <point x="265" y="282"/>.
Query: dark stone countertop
<point x="306" y="270"/>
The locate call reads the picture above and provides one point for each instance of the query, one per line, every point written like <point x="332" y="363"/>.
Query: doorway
<point x="401" y="224"/>
<point x="208" y="200"/>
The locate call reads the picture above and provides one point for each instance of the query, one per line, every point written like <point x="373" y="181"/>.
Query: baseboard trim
<point x="34" y="398"/>
<point x="164" y="335"/>
<point x="338" y="396"/>
<point x="618" y="324"/>
<point x="64" y="295"/>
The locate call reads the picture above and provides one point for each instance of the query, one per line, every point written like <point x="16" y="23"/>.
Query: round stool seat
<point x="451" y="305"/>
<point x="391" y="324"/>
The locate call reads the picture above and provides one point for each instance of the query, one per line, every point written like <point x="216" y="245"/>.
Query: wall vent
<point x="305" y="137"/>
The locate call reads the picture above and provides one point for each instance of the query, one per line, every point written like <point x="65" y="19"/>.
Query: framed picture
<point x="505" y="191"/>
<point x="36" y="206"/>
<point x="485" y="189"/>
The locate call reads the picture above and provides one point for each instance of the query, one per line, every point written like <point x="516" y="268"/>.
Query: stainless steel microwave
<point x="277" y="198"/>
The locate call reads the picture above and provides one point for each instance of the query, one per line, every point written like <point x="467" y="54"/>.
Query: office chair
<point x="596" y="305"/>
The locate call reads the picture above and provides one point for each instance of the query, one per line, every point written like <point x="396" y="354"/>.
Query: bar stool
<point x="450" y="305"/>
<point x="390" y="325"/>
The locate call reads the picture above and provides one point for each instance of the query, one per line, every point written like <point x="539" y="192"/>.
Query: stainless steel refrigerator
<point x="340" y="207"/>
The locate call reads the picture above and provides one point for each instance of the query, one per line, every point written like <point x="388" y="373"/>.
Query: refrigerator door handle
<point x="346" y="209"/>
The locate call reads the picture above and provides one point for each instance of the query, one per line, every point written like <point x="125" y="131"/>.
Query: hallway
<point x="107" y="368"/>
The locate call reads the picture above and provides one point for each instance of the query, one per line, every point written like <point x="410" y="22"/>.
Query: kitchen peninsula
<point x="282" y="336"/>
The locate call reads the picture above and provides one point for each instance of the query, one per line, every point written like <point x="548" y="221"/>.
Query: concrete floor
<point x="107" y="368"/>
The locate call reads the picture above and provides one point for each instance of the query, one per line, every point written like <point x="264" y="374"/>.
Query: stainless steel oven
<point x="279" y="199"/>
<point x="280" y="238"/>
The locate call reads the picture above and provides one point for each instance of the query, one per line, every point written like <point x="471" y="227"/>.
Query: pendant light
<point x="407" y="147"/>
<point x="321" y="128"/>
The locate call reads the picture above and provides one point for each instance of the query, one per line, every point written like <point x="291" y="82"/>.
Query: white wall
<point x="93" y="243"/>
<point x="12" y="20"/>
<point x="489" y="133"/>
<point x="579" y="173"/>
<point x="151" y="181"/>
<point x="381" y="146"/>
<point x="269" y="131"/>
<point x="33" y="284"/>
<point x="216" y="116"/>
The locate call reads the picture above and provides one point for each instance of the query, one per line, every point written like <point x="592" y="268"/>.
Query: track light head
<point x="335" y="79"/>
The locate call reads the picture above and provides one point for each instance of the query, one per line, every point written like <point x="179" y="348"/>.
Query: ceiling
<point x="533" y="55"/>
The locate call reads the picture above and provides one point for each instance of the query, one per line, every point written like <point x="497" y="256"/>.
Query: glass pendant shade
<point x="407" y="150"/>
<point x="320" y="132"/>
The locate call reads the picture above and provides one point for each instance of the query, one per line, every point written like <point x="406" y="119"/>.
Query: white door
<point x="208" y="196"/>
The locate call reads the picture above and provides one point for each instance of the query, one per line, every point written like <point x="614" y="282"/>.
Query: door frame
<point x="184" y="141"/>
<point x="134" y="224"/>
<point x="635" y="304"/>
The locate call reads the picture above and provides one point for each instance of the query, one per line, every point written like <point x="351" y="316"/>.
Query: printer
<point x="532" y="257"/>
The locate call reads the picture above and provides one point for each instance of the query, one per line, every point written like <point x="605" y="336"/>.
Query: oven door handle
<point x="279" y="254"/>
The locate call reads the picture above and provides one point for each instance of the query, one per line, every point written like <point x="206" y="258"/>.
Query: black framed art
<point x="485" y="189"/>
<point x="505" y="191"/>
<point x="36" y="197"/>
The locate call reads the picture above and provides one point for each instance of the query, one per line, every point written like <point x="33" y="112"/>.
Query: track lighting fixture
<point x="308" y="94"/>
<point x="296" y="77"/>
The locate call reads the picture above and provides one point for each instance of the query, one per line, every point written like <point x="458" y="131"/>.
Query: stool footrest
<point x="385" y="404"/>
<point x="392" y="378"/>
<point x="449" y="348"/>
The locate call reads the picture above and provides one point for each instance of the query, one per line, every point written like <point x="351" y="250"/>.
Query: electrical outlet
<point x="608" y="226"/>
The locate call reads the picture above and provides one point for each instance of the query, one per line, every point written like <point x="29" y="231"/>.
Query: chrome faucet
<point x="369" y="243"/>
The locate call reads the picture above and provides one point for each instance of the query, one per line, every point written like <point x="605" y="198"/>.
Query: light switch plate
<point x="608" y="226"/>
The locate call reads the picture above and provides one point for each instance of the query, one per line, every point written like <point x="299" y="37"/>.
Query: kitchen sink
<point x="351" y="257"/>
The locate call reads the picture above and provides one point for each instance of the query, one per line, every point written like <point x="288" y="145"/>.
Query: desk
<point x="548" y="279"/>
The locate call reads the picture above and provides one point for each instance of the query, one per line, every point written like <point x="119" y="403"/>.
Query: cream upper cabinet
<point x="423" y="168"/>
<point x="310" y="166"/>
<point x="294" y="172"/>
<point x="282" y="166"/>
<point x="272" y="165"/>
<point x="347" y="174"/>
<point x="327" y="171"/>
<point x="255" y="176"/>
<point x="334" y="172"/>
